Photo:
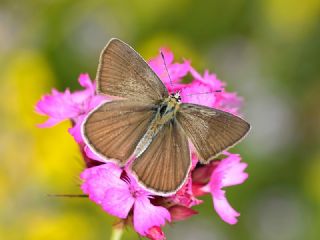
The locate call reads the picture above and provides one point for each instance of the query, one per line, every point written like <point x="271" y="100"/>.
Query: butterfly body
<point x="166" y="111"/>
<point x="151" y="125"/>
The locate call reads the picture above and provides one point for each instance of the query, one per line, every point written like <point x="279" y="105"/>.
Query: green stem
<point x="116" y="233"/>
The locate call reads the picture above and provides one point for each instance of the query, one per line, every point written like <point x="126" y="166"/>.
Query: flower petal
<point x="198" y="93"/>
<point x="82" y="97"/>
<point x="61" y="106"/>
<point x="50" y="123"/>
<point x="86" y="82"/>
<point x="97" y="180"/>
<point x="75" y="131"/>
<point x="185" y="196"/>
<point x="208" y="79"/>
<point x="58" y="106"/>
<point x="147" y="215"/>
<point x="91" y="154"/>
<point x="224" y="209"/>
<point x="179" y="213"/>
<point x="229" y="102"/>
<point x="230" y="170"/>
<point x="118" y="201"/>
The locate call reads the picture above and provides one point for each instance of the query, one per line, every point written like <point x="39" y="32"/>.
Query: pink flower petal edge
<point x="229" y="172"/>
<point x="224" y="209"/>
<point x="147" y="215"/>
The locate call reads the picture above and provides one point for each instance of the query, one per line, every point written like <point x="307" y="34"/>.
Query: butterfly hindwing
<point x="114" y="129"/>
<point x="164" y="166"/>
<point x="122" y="72"/>
<point x="211" y="130"/>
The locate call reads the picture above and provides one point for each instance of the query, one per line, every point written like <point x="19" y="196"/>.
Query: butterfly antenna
<point x="68" y="195"/>
<point x="165" y="65"/>
<point x="216" y="91"/>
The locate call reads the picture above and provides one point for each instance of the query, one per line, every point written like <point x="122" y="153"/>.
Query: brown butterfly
<point x="148" y="125"/>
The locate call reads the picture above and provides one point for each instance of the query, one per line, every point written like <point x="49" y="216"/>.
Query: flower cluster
<point x="116" y="190"/>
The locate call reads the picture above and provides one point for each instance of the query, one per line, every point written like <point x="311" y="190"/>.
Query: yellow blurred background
<point x="268" y="51"/>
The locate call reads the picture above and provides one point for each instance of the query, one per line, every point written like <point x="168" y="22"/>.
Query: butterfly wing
<point x="211" y="130"/>
<point x="164" y="166"/>
<point x="122" y="72"/>
<point x="114" y="129"/>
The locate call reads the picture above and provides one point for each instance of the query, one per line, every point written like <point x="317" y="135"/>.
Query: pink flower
<point x="74" y="106"/>
<point x="229" y="172"/>
<point x="118" y="195"/>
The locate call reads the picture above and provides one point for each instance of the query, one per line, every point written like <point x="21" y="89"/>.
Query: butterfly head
<point x="176" y="96"/>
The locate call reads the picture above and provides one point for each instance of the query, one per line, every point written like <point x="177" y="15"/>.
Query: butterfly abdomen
<point x="147" y="138"/>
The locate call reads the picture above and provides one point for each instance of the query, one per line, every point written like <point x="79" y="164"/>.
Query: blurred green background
<point x="268" y="51"/>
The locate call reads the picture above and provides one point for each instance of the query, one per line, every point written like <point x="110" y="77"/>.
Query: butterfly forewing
<point x="114" y="129"/>
<point x="163" y="167"/>
<point x="122" y="72"/>
<point x="211" y="130"/>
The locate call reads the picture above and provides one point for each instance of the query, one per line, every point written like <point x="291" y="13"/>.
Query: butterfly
<point x="147" y="124"/>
